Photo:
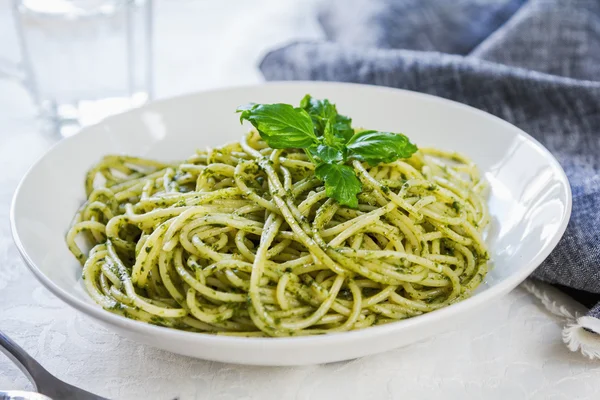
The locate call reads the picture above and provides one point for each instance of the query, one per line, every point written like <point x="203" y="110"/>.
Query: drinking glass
<point x="82" y="60"/>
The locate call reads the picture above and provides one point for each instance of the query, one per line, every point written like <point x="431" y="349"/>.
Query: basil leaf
<point x="245" y="107"/>
<point x="343" y="128"/>
<point x="322" y="112"/>
<point x="327" y="154"/>
<point x="329" y="134"/>
<point x="318" y="108"/>
<point x="280" y="125"/>
<point x="376" y="147"/>
<point x="341" y="183"/>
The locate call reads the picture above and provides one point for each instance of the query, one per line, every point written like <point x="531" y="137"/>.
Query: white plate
<point x="530" y="204"/>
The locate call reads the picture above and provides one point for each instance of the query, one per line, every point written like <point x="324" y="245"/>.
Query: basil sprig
<point x="328" y="139"/>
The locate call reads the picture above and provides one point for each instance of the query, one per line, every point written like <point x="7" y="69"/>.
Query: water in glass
<point x="86" y="59"/>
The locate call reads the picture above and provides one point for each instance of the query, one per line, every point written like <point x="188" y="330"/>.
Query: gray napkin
<point x="534" y="63"/>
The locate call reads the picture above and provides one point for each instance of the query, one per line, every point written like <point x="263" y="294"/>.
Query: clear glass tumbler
<point x="83" y="60"/>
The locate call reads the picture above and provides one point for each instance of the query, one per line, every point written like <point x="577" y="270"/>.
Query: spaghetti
<point x="243" y="240"/>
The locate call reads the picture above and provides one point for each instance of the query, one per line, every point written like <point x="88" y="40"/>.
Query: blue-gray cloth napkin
<point x="534" y="63"/>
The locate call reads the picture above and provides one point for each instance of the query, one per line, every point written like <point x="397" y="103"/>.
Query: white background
<point x="513" y="350"/>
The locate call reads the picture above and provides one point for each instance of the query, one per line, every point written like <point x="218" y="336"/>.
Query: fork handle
<point x="24" y="361"/>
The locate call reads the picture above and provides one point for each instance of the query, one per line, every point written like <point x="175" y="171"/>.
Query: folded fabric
<point x="533" y="63"/>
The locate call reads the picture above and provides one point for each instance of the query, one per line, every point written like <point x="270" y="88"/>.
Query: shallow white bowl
<point x="530" y="203"/>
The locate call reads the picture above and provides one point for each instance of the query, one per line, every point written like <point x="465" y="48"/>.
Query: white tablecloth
<point x="514" y="350"/>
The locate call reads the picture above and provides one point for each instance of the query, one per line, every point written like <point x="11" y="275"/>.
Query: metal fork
<point x="44" y="382"/>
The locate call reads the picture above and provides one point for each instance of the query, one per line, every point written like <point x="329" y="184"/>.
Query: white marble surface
<point x="514" y="350"/>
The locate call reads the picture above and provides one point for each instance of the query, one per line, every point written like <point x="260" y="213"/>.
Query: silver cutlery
<point x="22" y="395"/>
<point x="45" y="383"/>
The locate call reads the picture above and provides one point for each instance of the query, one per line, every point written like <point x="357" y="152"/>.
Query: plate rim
<point x="97" y="312"/>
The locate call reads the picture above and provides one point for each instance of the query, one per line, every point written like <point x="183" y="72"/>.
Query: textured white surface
<point x="513" y="351"/>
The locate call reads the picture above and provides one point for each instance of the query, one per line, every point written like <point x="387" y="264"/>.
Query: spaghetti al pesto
<point x="246" y="240"/>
